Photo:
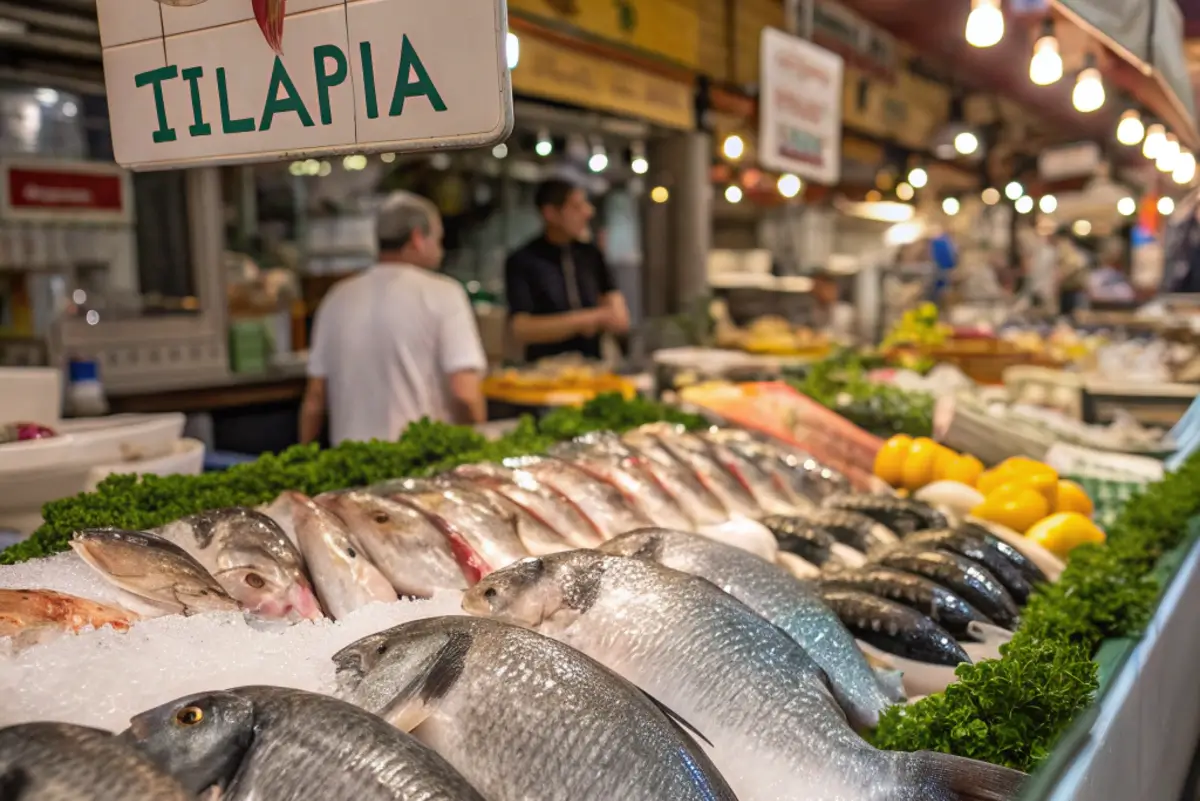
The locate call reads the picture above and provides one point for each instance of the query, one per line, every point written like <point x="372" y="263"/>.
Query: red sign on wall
<point x="72" y="192"/>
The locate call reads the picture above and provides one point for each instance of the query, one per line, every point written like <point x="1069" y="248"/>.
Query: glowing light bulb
<point x="1130" y="129"/>
<point x="733" y="193"/>
<point x="1081" y="228"/>
<point x="1024" y="204"/>
<point x="1185" y="168"/>
<point x="1046" y="66"/>
<point x="991" y="196"/>
<point x="639" y="165"/>
<point x="904" y="191"/>
<point x="918" y="177"/>
<point x="1126" y="206"/>
<point x="1168" y="155"/>
<point x="659" y="194"/>
<point x="1166" y="206"/>
<point x="950" y="206"/>
<point x="598" y="162"/>
<point x="1088" y="94"/>
<point x="512" y="50"/>
<point x="966" y="143"/>
<point x="985" y="23"/>
<point x="789" y="185"/>
<point x="1048" y="204"/>
<point x="545" y="145"/>
<point x="1156" y="137"/>
<point x="1014" y="190"/>
<point x="733" y="147"/>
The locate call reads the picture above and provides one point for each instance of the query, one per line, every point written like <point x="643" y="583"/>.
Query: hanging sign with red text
<point x="228" y="81"/>
<point x="799" y="108"/>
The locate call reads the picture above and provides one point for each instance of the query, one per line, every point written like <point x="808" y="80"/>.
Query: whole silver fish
<point x="608" y="460"/>
<point x="678" y="479"/>
<point x="346" y="579"/>
<point x="805" y="476"/>
<point x="156" y="577"/>
<point x="403" y="543"/>
<point x="523" y="717"/>
<point x="772" y="592"/>
<point x="535" y="535"/>
<point x="252" y="558"/>
<point x="698" y="456"/>
<point x="743" y="457"/>
<point x="290" y="745"/>
<point x="777" y="732"/>
<point x="64" y="762"/>
<point x="463" y="516"/>
<point x="555" y="510"/>
<point x="601" y="502"/>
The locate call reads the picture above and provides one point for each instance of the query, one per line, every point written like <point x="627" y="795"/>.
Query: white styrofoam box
<point x="30" y="394"/>
<point x="84" y="443"/>
<point x="214" y="13"/>
<point x="465" y="70"/>
<point x="237" y="50"/>
<point x="118" y="27"/>
<point x="186" y="458"/>
<point x="22" y="496"/>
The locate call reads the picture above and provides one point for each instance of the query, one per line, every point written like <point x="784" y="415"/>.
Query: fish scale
<point x="63" y="762"/>
<point x="784" y="600"/>
<point x="291" y="745"/>
<point x="527" y="717"/>
<point x="777" y="733"/>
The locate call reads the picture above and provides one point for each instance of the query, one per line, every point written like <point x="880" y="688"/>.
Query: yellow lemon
<point x="1073" y="498"/>
<point x="1063" y="532"/>
<point x="943" y="462"/>
<point x="1013" y="505"/>
<point x="990" y="479"/>
<point x="918" y="465"/>
<point x="965" y="468"/>
<point x="889" y="461"/>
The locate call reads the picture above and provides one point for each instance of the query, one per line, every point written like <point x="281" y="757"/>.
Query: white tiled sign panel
<point x="191" y="85"/>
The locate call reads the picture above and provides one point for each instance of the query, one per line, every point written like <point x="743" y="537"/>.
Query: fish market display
<point x="284" y="745"/>
<point x="523" y="716"/>
<point x="34" y="615"/>
<point x="894" y="628"/>
<point x="776" y="731"/>
<point x="155" y="576"/>
<point x="775" y="595"/>
<point x="251" y="557"/>
<point x="59" y="761"/>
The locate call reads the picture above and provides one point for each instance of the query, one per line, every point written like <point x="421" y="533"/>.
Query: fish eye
<point x="350" y="552"/>
<point x="489" y="593"/>
<point x="381" y="517"/>
<point x="189" y="716"/>
<point x="381" y="650"/>
<point x="256" y="581"/>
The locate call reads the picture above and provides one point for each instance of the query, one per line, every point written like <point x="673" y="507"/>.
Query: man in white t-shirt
<point x="398" y="342"/>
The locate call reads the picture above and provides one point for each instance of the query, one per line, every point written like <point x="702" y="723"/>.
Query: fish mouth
<point x="475" y="603"/>
<point x="303" y="603"/>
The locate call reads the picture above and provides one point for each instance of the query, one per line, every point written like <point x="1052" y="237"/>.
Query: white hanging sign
<point x="800" y="108"/>
<point x="195" y="82"/>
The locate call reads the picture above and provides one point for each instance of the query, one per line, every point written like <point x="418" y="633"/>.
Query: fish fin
<point x="892" y="682"/>
<point x="963" y="779"/>
<point x="413" y="704"/>
<point x="676" y="718"/>
<point x="13" y="783"/>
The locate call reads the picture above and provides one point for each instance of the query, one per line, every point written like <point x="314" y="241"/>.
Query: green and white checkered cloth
<point x="1109" y="496"/>
<point x="1110" y="479"/>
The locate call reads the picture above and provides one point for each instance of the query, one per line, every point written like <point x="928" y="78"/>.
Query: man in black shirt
<point x="561" y="294"/>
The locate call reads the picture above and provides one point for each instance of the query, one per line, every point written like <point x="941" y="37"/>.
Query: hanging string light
<point x="1088" y="94"/>
<point x="918" y="177"/>
<point x="1130" y="130"/>
<point x="1156" y="137"/>
<point x="1168" y="154"/>
<point x="1046" y="66"/>
<point x="985" y="23"/>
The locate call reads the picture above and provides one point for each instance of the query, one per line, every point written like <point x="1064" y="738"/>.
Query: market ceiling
<point x="1003" y="69"/>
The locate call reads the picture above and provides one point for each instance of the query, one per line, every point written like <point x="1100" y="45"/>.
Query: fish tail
<point x="269" y="14"/>
<point x="956" y="778"/>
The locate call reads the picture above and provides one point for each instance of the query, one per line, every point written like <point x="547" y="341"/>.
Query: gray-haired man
<point x="398" y="342"/>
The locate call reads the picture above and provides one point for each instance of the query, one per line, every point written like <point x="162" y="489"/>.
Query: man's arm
<point x="466" y="394"/>
<point x="612" y="302"/>
<point x="462" y="359"/>
<point x="312" y="411"/>
<point x="540" y="329"/>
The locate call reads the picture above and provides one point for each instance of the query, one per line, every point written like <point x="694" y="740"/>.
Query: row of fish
<point x="662" y="666"/>
<point x="303" y="558"/>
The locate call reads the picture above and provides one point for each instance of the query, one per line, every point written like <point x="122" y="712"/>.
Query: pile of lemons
<point x="1022" y="494"/>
